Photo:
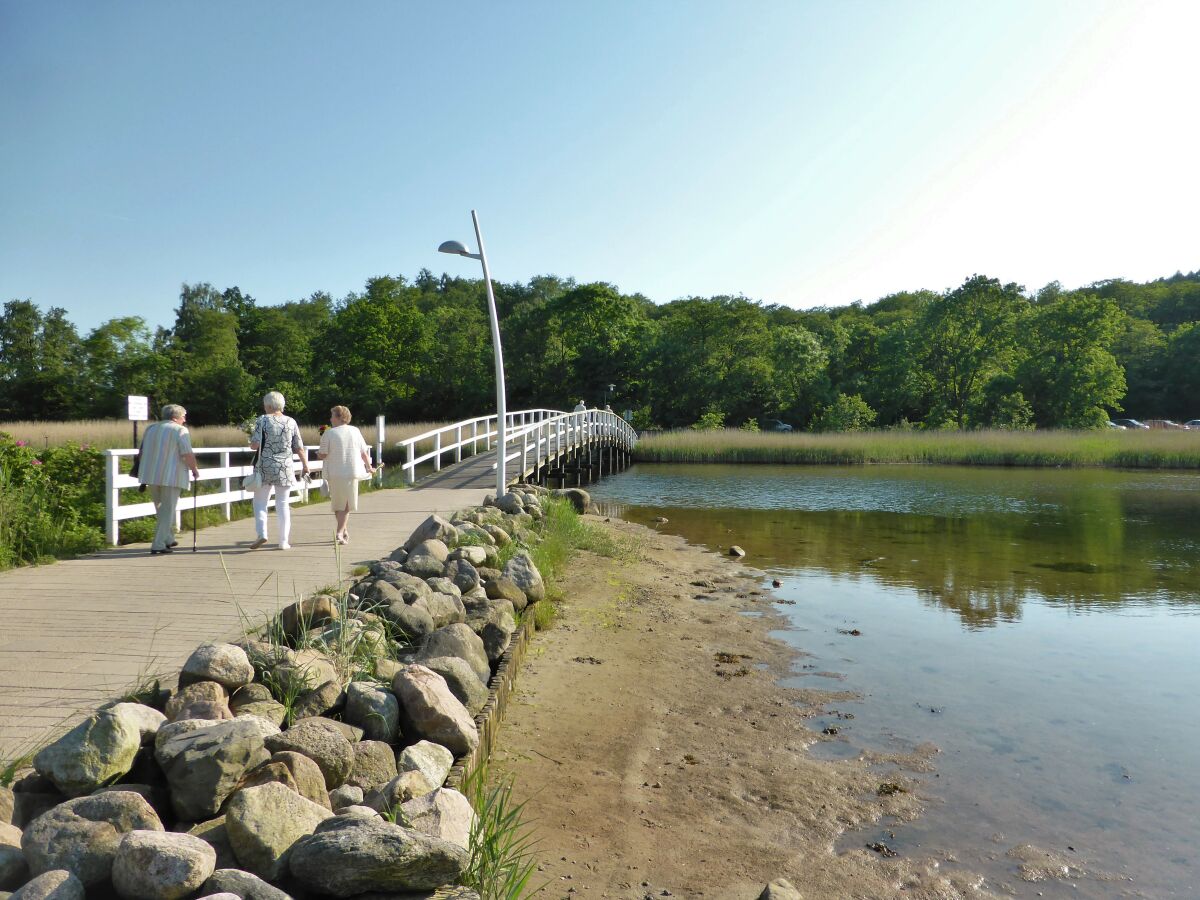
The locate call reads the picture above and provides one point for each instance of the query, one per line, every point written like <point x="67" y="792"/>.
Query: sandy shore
<point x="660" y="757"/>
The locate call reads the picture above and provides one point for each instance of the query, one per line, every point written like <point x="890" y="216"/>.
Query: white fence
<point x="533" y="436"/>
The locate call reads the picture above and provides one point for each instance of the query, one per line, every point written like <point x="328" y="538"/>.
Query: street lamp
<point x="501" y="413"/>
<point x="611" y="388"/>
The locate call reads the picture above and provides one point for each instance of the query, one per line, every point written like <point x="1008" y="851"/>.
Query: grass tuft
<point x="502" y="844"/>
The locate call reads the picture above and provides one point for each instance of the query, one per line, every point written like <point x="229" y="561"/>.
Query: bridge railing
<point x="226" y="470"/>
<point x="552" y="436"/>
<point x="469" y="433"/>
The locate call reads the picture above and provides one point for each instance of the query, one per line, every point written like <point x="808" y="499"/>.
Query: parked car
<point x="1192" y="424"/>
<point x="776" y="425"/>
<point x="1129" y="423"/>
<point x="1165" y="424"/>
<point x="1112" y="424"/>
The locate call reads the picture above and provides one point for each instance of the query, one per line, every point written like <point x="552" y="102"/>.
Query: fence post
<point x="410" y="468"/>
<point x="458" y="444"/>
<point x="524" y="452"/>
<point x="112" y="531"/>
<point x="474" y="437"/>
<point x="380" y="425"/>
<point x="437" y="452"/>
<point x="225" y="485"/>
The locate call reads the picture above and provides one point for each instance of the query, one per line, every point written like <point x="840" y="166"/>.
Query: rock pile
<point x="309" y="761"/>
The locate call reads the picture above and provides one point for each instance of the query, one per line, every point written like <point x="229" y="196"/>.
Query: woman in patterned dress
<point x="277" y="438"/>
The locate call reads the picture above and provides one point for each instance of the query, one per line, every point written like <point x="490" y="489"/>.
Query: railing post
<point x="474" y="437"/>
<point x="524" y="453"/>
<point x="487" y="433"/>
<point x="458" y="444"/>
<point x="437" y="452"/>
<point x="380" y="427"/>
<point x="410" y="467"/>
<point x="225" y="485"/>
<point x="112" y="531"/>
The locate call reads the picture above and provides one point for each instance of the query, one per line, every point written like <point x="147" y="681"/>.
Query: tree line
<point x="984" y="354"/>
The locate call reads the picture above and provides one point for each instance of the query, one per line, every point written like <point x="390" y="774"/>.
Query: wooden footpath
<point x="77" y="633"/>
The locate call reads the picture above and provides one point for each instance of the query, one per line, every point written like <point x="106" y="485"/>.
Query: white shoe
<point x="285" y="546"/>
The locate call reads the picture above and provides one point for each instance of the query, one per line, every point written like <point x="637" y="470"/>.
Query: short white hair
<point x="173" y="411"/>
<point x="273" y="402"/>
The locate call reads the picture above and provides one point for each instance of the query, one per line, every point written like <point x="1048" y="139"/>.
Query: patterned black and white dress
<point x="278" y="438"/>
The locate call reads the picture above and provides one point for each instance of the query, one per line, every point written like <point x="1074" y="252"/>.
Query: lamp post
<point x="611" y="389"/>
<point x="457" y="248"/>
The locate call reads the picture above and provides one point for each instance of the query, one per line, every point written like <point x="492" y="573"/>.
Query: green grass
<point x="502" y="845"/>
<point x="1109" y="448"/>
<point x="563" y="533"/>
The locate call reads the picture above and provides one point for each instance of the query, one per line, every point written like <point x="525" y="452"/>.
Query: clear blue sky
<point x="799" y="153"/>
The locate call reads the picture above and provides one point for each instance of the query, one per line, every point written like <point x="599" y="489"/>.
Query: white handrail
<point x="514" y="420"/>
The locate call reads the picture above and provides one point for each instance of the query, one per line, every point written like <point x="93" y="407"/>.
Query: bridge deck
<point x="78" y="632"/>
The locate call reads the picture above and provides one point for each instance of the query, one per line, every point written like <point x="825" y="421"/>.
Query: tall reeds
<point x="1116" y="449"/>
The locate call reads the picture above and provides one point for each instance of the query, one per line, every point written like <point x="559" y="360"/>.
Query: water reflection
<point x="977" y="542"/>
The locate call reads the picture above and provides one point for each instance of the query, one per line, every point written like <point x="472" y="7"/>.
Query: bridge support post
<point x="225" y="486"/>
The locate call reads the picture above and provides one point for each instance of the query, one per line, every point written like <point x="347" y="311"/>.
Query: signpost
<point x="139" y="411"/>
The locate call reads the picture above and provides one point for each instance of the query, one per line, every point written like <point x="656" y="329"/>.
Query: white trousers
<point x="282" y="509"/>
<point x="165" y="499"/>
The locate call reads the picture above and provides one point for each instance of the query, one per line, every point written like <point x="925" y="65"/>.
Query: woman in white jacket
<point x="347" y="460"/>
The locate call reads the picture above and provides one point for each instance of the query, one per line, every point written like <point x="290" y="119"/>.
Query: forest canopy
<point x="984" y="354"/>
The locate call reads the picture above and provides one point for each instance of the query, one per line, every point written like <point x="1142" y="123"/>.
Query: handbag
<point x="253" y="481"/>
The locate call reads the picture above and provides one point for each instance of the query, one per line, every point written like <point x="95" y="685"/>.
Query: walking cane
<point x="195" y="485"/>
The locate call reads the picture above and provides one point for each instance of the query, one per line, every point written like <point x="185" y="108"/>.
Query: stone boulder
<point x="226" y="664"/>
<point x="411" y="587"/>
<point x="306" y="775"/>
<point x="780" y="889"/>
<point x="444" y="814"/>
<point x="13" y="870"/>
<point x="427" y="559"/>
<point x="463" y="574"/>
<point x="445" y="608"/>
<point x="32" y="795"/>
<point x="81" y="835"/>
<point x="205" y="766"/>
<point x="268" y="710"/>
<point x="322" y="742"/>
<point x="374" y="765"/>
<point x="578" y="498"/>
<point x="242" y="885"/>
<point x="461" y="679"/>
<point x="432" y="760"/>
<point x="504" y="588"/>
<point x="399" y="790"/>
<point x="431" y="712"/>
<point x="373" y="709"/>
<point x="348" y="856"/>
<point x="457" y="640"/>
<point x="348" y="795"/>
<point x="146" y="719"/>
<point x="199" y="700"/>
<point x="494" y="621"/>
<point x="311" y="612"/>
<point x="443" y="585"/>
<point x="412" y="622"/>
<point x="214" y="833"/>
<point x="520" y="569"/>
<point x="498" y="534"/>
<point x="155" y="865"/>
<point x="264" y="822"/>
<point x="471" y="555"/>
<point x="435" y="528"/>
<point x="512" y="503"/>
<point x="57" y="885"/>
<point x="320" y="701"/>
<point x="98" y="750"/>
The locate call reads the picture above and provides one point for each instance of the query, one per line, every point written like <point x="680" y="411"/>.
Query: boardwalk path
<point x="76" y="633"/>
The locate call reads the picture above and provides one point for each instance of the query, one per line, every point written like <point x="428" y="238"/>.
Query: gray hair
<point x="273" y="402"/>
<point x="173" y="411"/>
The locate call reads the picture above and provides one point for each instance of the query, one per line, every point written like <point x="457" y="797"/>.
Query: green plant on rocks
<point x="502" y="843"/>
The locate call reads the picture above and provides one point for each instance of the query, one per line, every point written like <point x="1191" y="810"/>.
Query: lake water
<point x="1041" y="627"/>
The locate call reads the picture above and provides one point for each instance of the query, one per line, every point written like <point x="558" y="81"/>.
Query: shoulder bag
<point x="253" y="481"/>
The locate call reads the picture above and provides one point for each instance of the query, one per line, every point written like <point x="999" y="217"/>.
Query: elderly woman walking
<point x="347" y="460"/>
<point x="276" y="437"/>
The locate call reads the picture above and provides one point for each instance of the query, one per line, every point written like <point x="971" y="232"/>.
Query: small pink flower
<point x="36" y="462"/>
<point x="22" y="443"/>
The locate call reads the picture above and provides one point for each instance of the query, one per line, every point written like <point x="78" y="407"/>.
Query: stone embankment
<point x="313" y="758"/>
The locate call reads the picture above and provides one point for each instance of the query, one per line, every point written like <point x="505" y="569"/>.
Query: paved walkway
<point x="77" y="633"/>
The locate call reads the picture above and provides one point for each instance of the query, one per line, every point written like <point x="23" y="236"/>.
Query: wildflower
<point x="321" y="429"/>
<point x="36" y="462"/>
<point x="22" y="443"/>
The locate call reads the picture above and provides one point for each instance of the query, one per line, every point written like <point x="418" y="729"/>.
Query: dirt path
<point x="659" y="757"/>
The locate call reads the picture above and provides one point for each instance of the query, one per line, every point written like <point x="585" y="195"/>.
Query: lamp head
<point x="454" y="247"/>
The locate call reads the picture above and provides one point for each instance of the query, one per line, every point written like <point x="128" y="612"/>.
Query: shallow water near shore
<point x="1041" y="627"/>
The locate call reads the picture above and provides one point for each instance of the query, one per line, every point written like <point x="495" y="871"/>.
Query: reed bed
<point x="104" y="434"/>
<point x="1116" y="449"/>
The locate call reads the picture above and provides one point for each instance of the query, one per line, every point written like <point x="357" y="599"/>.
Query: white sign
<point x="139" y="408"/>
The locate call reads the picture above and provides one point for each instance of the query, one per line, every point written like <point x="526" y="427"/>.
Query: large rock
<point x="306" y="775"/>
<point x="512" y="503"/>
<point x="322" y="742"/>
<point x="780" y="889"/>
<point x="373" y="709"/>
<point x="348" y="856"/>
<point x="82" y="835"/>
<point x="520" y="569"/>
<point x="33" y="794"/>
<point x="445" y="608"/>
<point x="458" y="640"/>
<point x="214" y="833"/>
<point x="443" y="585"/>
<point x="57" y="885"/>
<point x="264" y="822"/>
<point x="461" y="679"/>
<point x="499" y="535"/>
<point x="311" y="667"/>
<point x="399" y="790"/>
<point x="311" y="612"/>
<point x="427" y="559"/>
<point x="269" y="710"/>
<point x="431" y="712"/>
<point x="432" y="760"/>
<point x="578" y="497"/>
<point x="348" y="795"/>
<point x="226" y="664"/>
<point x="243" y="885"/>
<point x="494" y="621"/>
<point x="146" y="719"/>
<point x="409" y="622"/>
<point x="199" y="700"/>
<point x="434" y="528"/>
<point x="98" y="750"/>
<point x="374" y="765"/>
<point x="444" y="814"/>
<point x="205" y="766"/>
<point x="320" y="701"/>
<point x="472" y="556"/>
<point x="13" y="870"/>
<point x="409" y="587"/>
<point x="153" y="865"/>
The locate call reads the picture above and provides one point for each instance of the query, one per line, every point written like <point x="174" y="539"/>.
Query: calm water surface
<point x="1041" y="627"/>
